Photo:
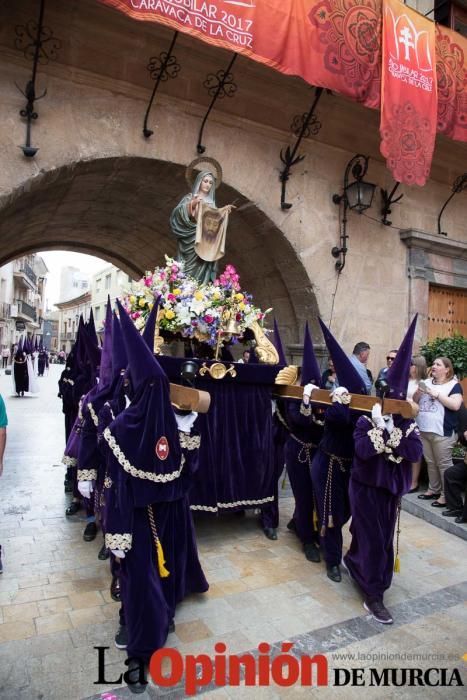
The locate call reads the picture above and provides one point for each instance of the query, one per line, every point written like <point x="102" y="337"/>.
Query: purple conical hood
<point x="278" y="345"/>
<point x="91" y="329"/>
<point x="346" y="372"/>
<point x="150" y="327"/>
<point x="143" y="364"/>
<point x="119" y="356"/>
<point x="105" y="368"/>
<point x="92" y="350"/>
<point x="310" y="367"/>
<point x="398" y="374"/>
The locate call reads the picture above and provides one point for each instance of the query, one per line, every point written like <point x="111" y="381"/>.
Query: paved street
<point x="55" y="603"/>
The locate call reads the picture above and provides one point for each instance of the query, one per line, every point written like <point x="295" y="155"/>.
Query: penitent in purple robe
<point x="304" y="434"/>
<point x="330" y="471"/>
<point x="381" y="475"/>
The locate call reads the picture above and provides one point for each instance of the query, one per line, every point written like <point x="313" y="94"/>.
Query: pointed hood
<point x="91" y="330"/>
<point x="119" y="356"/>
<point x="278" y="345"/>
<point x="398" y="374"/>
<point x="105" y="369"/>
<point x="150" y="327"/>
<point x="143" y="364"/>
<point x="92" y="351"/>
<point x="346" y="372"/>
<point x="310" y="367"/>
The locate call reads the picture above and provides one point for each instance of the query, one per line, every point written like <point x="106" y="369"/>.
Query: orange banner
<point x="451" y="73"/>
<point x="329" y="43"/>
<point x="408" y="93"/>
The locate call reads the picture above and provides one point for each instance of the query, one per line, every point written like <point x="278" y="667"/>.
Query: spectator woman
<point x="418" y="371"/>
<point x="439" y="399"/>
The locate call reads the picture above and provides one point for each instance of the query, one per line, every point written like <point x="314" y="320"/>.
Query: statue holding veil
<point x="199" y="225"/>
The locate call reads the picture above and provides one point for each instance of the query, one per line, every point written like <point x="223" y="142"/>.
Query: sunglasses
<point x="388" y="357"/>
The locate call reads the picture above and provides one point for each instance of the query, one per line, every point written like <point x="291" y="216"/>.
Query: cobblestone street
<point x="55" y="604"/>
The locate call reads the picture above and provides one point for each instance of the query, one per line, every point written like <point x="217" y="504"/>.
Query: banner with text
<point x="408" y="93"/>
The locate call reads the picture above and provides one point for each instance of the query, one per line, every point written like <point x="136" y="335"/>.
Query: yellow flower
<point x="150" y="306"/>
<point x="239" y="297"/>
<point x="132" y="299"/>
<point x="198" y="295"/>
<point x="142" y="302"/>
<point x="177" y="292"/>
<point x="241" y="306"/>
<point x="216" y="295"/>
<point x="169" y="314"/>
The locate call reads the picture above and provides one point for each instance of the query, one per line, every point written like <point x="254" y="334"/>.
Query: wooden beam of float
<point x="187" y="399"/>
<point x="359" y="402"/>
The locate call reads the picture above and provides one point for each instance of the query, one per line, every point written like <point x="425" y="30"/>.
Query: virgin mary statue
<point x="200" y="228"/>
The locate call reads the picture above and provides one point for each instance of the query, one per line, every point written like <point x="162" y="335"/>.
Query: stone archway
<point x="118" y="209"/>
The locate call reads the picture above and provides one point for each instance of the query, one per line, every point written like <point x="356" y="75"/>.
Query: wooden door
<point x="447" y="312"/>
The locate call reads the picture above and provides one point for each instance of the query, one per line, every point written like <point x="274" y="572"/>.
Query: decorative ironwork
<point x="388" y="201"/>
<point x="312" y="126"/>
<point x="289" y="157"/>
<point x="218" y="85"/>
<point x="460" y="184"/>
<point x="37" y="43"/>
<point x="161" y="68"/>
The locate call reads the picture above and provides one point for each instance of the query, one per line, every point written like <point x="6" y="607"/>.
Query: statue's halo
<point x="192" y="170"/>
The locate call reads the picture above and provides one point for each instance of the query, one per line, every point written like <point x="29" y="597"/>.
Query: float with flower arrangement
<point x="210" y="313"/>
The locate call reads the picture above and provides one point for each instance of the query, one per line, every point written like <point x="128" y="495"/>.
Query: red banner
<point x="408" y="93"/>
<point x="451" y="73"/>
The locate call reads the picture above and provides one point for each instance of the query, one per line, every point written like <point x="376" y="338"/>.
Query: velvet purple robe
<point x="330" y="472"/>
<point x="381" y="475"/>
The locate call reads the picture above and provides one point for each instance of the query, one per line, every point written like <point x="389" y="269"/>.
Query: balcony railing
<point x="25" y="275"/>
<point x="23" y="310"/>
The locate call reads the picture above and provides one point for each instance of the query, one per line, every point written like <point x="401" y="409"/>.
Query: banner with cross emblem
<point x="409" y="93"/>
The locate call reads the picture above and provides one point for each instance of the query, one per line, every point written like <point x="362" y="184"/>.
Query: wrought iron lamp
<point x="357" y="196"/>
<point x="460" y="184"/>
<point x="188" y="371"/>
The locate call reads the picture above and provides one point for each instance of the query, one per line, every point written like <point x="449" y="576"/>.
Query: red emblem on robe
<point x="162" y="448"/>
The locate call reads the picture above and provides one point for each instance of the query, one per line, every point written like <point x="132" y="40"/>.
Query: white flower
<point x="197" y="306"/>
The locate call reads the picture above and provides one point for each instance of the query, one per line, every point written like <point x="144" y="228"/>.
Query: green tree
<point x="455" y="348"/>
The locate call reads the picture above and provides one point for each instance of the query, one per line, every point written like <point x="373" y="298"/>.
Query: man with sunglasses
<point x="390" y="357"/>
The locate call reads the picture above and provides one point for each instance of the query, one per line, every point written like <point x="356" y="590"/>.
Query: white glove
<point x="273" y="406"/>
<point x="185" y="423"/>
<point x="307" y="391"/>
<point x="377" y="416"/>
<point x="118" y="553"/>
<point x="341" y="395"/>
<point x="86" y="488"/>
<point x="388" y="423"/>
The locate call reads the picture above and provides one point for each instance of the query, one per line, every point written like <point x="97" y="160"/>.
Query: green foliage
<point x="455" y="348"/>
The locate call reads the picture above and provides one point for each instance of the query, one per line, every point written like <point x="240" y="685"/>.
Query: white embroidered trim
<point x="108" y="482"/>
<point x="376" y="437"/>
<point x="397" y="460"/>
<point x="134" y="471"/>
<point x="189" y="442"/>
<point x="305" y="410"/>
<point x="220" y="506"/>
<point x="69" y="381"/>
<point x="123" y="541"/>
<point x="87" y="474"/>
<point x="110" y="409"/>
<point x="413" y="426"/>
<point x="395" y="438"/>
<point x="94" y="417"/>
<point x="80" y="409"/>
<point x="343" y="399"/>
<point x="69" y="461"/>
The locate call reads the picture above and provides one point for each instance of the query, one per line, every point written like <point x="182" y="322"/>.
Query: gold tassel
<point x="315" y="519"/>
<point x="331" y="521"/>
<point x="397" y="565"/>
<point x="161" y="560"/>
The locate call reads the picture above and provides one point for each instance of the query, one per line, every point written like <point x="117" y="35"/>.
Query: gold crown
<point x="287" y="376"/>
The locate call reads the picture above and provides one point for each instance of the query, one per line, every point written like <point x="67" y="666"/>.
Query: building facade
<point x="68" y="319"/>
<point x="108" y="282"/>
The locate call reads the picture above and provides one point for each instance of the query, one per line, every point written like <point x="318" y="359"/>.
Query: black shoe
<point x="334" y="573"/>
<point x="291" y="526"/>
<point x="428" y="496"/>
<point x="460" y="519"/>
<point x="451" y="513"/>
<point x="312" y="552"/>
<point x="103" y="553"/>
<point x="134" y="676"/>
<point x="73" y="508"/>
<point x="90" y="532"/>
<point x="379" y="612"/>
<point x="171" y="626"/>
<point x="121" y="638"/>
<point x="437" y="504"/>
<point x="270" y="532"/>
<point x="115" y="592"/>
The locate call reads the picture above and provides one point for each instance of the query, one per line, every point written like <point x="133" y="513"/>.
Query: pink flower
<point x="208" y="318"/>
<point x="174" y="268"/>
<point x="172" y="278"/>
<point x="135" y="315"/>
<point x="230" y="269"/>
<point x="238" y="316"/>
<point x="216" y="282"/>
<point x="148" y="281"/>
<point x="162" y="275"/>
<point x="171" y="297"/>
